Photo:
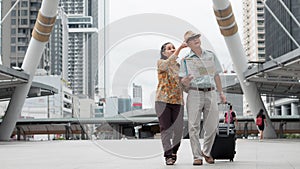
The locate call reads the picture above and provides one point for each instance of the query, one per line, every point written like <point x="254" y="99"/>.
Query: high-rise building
<point x="0" y="32"/>
<point x="94" y="57"/>
<point x="137" y="98"/>
<point x="279" y="43"/>
<point x="253" y="36"/>
<point x="16" y="32"/>
<point x="124" y="105"/>
<point x="103" y="82"/>
<point x="18" y="27"/>
<point x="58" y="64"/>
<point x="80" y="58"/>
<point x="111" y="106"/>
<point x="69" y="52"/>
<point x="78" y="54"/>
<point x="254" y="29"/>
<point x="277" y="40"/>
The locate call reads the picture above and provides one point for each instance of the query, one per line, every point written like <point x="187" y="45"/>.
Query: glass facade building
<point x="277" y="41"/>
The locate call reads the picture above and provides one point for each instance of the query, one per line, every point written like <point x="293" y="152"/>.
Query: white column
<point x="277" y="111"/>
<point x="229" y="30"/>
<point x="103" y="42"/>
<point x="284" y="110"/>
<point x="294" y="109"/>
<point x="40" y="36"/>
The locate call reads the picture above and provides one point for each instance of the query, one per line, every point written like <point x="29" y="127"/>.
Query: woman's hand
<point x="183" y="45"/>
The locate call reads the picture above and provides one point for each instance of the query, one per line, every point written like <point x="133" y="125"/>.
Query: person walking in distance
<point x="204" y="67"/>
<point x="232" y="116"/>
<point x="169" y="101"/>
<point x="260" y="123"/>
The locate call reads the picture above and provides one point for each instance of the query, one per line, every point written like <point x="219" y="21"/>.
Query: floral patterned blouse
<point x="168" y="89"/>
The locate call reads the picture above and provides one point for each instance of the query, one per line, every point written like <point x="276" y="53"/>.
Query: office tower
<point x="0" y="32"/>
<point x="254" y="29"/>
<point x="80" y="58"/>
<point x="124" y="105"/>
<point x="277" y="41"/>
<point x="253" y="36"/>
<point x="111" y="106"/>
<point x="18" y="27"/>
<point x="16" y="32"/>
<point x="137" y="100"/>
<point x="94" y="57"/>
<point x="58" y="64"/>
<point x="103" y="81"/>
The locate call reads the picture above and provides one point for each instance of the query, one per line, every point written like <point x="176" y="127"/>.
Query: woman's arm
<point x="265" y="120"/>
<point x="164" y="64"/>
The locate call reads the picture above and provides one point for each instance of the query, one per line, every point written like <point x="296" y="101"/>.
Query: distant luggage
<point x="225" y="141"/>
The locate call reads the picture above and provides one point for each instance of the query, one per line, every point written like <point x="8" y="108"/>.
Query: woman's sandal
<point x="174" y="157"/>
<point x="169" y="161"/>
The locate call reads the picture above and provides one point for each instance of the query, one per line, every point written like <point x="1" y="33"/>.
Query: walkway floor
<point x="141" y="154"/>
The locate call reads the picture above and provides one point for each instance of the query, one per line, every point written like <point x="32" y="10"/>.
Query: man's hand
<point x="222" y="97"/>
<point x="187" y="80"/>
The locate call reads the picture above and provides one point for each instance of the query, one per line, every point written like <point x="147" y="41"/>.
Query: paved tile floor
<point x="141" y="154"/>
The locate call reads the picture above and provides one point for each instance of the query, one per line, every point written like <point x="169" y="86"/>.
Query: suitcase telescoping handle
<point x="226" y="103"/>
<point x="225" y="107"/>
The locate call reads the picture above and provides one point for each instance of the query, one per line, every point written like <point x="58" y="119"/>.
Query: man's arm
<point x="219" y="88"/>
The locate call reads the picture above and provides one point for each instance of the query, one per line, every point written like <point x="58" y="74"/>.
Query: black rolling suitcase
<point x="224" y="144"/>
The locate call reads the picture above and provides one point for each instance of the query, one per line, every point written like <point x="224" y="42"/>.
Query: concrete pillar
<point x="284" y="111"/>
<point x="277" y="111"/>
<point x="40" y="36"/>
<point x="229" y="29"/>
<point x="294" y="109"/>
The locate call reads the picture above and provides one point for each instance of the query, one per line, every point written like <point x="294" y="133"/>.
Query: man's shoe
<point x="208" y="159"/>
<point x="197" y="162"/>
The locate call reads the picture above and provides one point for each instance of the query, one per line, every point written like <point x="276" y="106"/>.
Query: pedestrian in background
<point x="260" y="123"/>
<point x="232" y="116"/>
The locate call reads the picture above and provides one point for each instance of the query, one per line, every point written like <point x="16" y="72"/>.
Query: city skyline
<point x="131" y="48"/>
<point x="147" y="44"/>
<point x="152" y="40"/>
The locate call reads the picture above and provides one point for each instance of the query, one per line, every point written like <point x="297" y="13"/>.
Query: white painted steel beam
<point x="40" y="36"/>
<point x="229" y="30"/>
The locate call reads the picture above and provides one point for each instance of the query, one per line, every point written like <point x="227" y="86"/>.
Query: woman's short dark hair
<point x="162" y="49"/>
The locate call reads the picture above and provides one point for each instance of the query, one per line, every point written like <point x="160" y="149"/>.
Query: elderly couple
<point x="202" y="90"/>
